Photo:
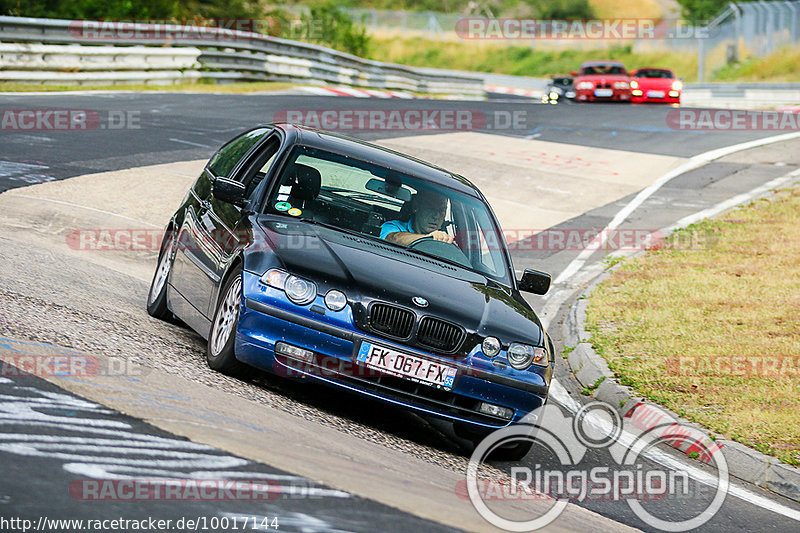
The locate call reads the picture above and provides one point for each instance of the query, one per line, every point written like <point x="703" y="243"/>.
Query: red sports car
<point x="602" y="80"/>
<point x="655" y="85"/>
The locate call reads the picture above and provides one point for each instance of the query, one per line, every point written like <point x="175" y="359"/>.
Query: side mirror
<point x="534" y="281"/>
<point x="230" y="191"/>
<point x="574" y="73"/>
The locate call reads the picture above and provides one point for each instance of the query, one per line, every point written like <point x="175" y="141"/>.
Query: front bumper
<point x="267" y="317"/>
<point x="588" y="95"/>
<point x="650" y="99"/>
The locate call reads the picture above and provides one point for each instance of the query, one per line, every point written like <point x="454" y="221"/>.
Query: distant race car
<point x="602" y="81"/>
<point x="318" y="257"/>
<point x="655" y="85"/>
<point x="558" y="90"/>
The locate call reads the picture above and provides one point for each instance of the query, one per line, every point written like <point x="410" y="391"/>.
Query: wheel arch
<point x="237" y="260"/>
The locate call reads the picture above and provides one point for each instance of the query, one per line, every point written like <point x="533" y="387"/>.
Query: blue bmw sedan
<point x="318" y="257"/>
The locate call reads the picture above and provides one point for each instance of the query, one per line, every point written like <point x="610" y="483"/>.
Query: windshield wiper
<point x="330" y="226"/>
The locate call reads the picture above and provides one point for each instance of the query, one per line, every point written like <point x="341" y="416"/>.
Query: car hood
<point x="602" y="78"/>
<point x="367" y="270"/>
<point x="663" y="84"/>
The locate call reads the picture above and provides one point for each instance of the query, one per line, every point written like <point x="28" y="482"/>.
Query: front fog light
<point x="335" y="300"/>
<point x="491" y="346"/>
<point x="299" y="290"/>
<point x="496" y="410"/>
<point x="294" y="352"/>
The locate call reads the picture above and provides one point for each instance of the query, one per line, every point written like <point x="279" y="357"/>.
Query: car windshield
<point x="361" y="197"/>
<point x="654" y="73"/>
<point x="603" y="70"/>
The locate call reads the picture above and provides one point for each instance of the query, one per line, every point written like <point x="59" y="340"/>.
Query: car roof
<point x="365" y="151"/>
<point x="653" y="68"/>
<point x="595" y="63"/>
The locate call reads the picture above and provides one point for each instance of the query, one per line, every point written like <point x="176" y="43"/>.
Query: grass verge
<point x="779" y="67"/>
<point x="200" y="87"/>
<point x="709" y="325"/>
<point x="522" y="60"/>
<point x="519" y="60"/>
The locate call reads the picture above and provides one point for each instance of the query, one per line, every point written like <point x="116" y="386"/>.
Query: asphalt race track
<point x="55" y="435"/>
<point x="179" y="127"/>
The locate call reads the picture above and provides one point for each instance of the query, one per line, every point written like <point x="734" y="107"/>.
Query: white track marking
<point x="694" y="162"/>
<point x="733" y="202"/>
<point x="557" y="391"/>
<point x="83" y="207"/>
<point x="190" y="143"/>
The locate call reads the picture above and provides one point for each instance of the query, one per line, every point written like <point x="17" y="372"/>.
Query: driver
<point x="428" y="210"/>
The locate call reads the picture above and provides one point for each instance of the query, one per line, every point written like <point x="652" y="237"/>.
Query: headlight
<point x="299" y="290"/>
<point x="677" y="85"/>
<point x="634" y="84"/>
<point x="491" y="346"/>
<point x="621" y="85"/>
<point x="521" y="356"/>
<point x="335" y="300"/>
<point x="585" y="85"/>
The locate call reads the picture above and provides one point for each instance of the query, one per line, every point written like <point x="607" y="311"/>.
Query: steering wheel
<point x="430" y="246"/>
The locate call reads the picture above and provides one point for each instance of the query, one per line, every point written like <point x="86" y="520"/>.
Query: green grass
<point x="782" y="66"/>
<point x="544" y="61"/>
<point x="698" y="324"/>
<point x="588" y="390"/>
<point x="567" y="350"/>
<point x="518" y="60"/>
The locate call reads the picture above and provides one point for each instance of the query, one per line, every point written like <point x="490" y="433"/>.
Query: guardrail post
<point x="792" y="6"/>
<point x="700" y="59"/>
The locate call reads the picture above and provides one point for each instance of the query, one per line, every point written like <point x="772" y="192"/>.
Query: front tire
<point x="220" y="352"/>
<point x="157" y="296"/>
<point x="508" y="452"/>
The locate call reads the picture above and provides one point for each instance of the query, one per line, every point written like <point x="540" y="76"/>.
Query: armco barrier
<point x="39" y="63"/>
<point x="754" y="95"/>
<point x="120" y="53"/>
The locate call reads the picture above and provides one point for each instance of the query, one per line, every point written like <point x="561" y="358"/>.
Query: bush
<point x="90" y="9"/>
<point x="327" y="25"/>
<point x="563" y="9"/>
<point x="699" y="11"/>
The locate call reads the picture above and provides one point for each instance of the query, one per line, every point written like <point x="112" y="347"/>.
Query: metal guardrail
<point x="221" y="54"/>
<point x="752" y="95"/>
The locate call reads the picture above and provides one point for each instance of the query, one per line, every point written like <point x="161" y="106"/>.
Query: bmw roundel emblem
<point x="419" y="301"/>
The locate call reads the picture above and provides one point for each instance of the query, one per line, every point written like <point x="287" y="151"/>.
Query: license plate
<point x="406" y="365"/>
<point x="603" y="92"/>
<point x="655" y="94"/>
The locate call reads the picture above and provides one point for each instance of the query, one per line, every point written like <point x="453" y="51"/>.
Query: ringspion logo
<point x="561" y="475"/>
